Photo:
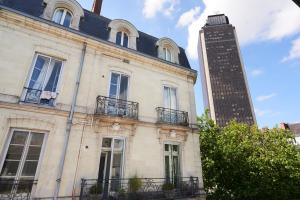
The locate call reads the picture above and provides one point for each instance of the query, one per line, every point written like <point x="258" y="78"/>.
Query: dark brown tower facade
<point x="224" y="83"/>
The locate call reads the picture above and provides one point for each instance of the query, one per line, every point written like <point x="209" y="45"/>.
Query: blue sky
<point x="268" y="31"/>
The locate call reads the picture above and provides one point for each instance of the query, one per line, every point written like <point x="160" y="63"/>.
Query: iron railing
<point x="34" y="96"/>
<point x="16" y="189"/>
<point x="139" y="189"/>
<point x="170" y="116"/>
<point x="117" y="107"/>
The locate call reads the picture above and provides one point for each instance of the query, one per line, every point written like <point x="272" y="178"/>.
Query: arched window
<point x="122" y="39"/>
<point x="167" y="54"/>
<point x="63" y="17"/>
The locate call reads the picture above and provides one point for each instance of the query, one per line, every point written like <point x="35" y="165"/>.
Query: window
<point x="170" y="98"/>
<point x="122" y="39"/>
<point x="118" y="86"/>
<point x="21" y="162"/>
<point x="62" y="16"/>
<point x="42" y="86"/>
<point x="172" y="164"/>
<point x="167" y="54"/>
<point x="111" y="164"/>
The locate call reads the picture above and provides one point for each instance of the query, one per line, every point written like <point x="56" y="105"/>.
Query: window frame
<point x="59" y="81"/>
<point x="176" y="96"/>
<point x="180" y="152"/>
<point x="6" y="146"/>
<point x="122" y="38"/>
<point x="119" y="85"/>
<point x="167" y="51"/>
<point x="63" y="17"/>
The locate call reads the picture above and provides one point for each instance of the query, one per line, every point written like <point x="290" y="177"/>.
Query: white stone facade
<point x="22" y="38"/>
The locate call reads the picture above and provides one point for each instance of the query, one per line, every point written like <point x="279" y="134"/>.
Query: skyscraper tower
<point x="225" y="90"/>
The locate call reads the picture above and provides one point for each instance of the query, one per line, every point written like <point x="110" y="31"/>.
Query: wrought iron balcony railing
<point x="139" y="188"/>
<point x="170" y="116"/>
<point x="16" y="189"/>
<point x="117" y="107"/>
<point x="37" y="96"/>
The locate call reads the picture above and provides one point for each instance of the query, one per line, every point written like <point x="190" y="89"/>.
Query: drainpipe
<point x="69" y="123"/>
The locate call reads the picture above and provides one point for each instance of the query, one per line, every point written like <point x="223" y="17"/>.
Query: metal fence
<point x="170" y="116"/>
<point x="16" y="189"/>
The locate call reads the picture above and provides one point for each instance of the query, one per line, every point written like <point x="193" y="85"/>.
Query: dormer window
<point x="122" y="39"/>
<point x="63" y="17"/>
<point x="167" y="54"/>
<point x="168" y="50"/>
<point x="123" y="33"/>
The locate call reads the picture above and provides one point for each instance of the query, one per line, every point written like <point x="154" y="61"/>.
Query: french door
<point x="170" y="102"/>
<point x="21" y="162"/>
<point x="118" y="92"/>
<point x="172" y="163"/>
<point x="111" y="165"/>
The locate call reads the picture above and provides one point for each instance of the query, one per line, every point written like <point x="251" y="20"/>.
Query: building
<point x="295" y="128"/>
<point x="87" y="102"/>
<point x="225" y="90"/>
<point x="297" y="2"/>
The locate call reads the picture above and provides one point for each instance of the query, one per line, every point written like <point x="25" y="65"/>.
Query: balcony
<point x="37" y="96"/>
<point x="16" y="189"/>
<point x="173" y="117"/>
<point x="117" y="108"/>
<point x="139" y="188"/>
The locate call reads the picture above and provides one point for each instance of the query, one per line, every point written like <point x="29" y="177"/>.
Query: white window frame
<point x="179" y="156"/>
<point x="167" y="51"/>
<point x="119" y="85"/>
<point x="7" y="144"/>
<point x="176" y="97"/>
<point x="62" y="20"/>
<point x="112" y="153"/>
<point x="122" y="38"/>
<point x="58" y="86"/>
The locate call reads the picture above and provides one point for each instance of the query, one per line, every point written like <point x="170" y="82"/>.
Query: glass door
<point x="118" y="94"/>
<point x="170" y="102"/>
<point x="19" y="169"/>
<point x="172" y="164"/>
<point x="111" y="165"/>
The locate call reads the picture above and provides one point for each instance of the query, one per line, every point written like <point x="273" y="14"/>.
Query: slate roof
<point x="94" y="25"/>
<point x="295" y="128"/>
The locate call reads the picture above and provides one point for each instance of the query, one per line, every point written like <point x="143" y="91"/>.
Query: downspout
<point x="69" y="123"/>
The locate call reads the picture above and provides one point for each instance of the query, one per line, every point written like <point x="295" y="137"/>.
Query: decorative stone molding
<point x="118" y="25"/>
<point x="169" y="44"/>
<point x="171" y="135"/>
<point x="30" y="122"/>
<point x="72" y="5"/>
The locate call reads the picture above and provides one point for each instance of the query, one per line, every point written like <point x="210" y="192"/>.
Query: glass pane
<point x="39" y="72"/>
<point x="67" y="20"/>
<point x="175" y="148"/>
<point x="116" y="171"/>
<point x="10" y="168"/>
<point x="58" y="15"/>
<point x="167" y="168"/>
<point x="19" y="137"/>
<point x="37" y="139"/>
<point x="29" y="168"/>
<point x="118" y="38"/>
<point x="53" y="76"/>
<point x="6" y="185"/>
<point x="106" y="142"/>
<point x="123" y="88"/>
<point x="118" y="145"/>
<point x="166" y="147"/>
<point x="173" y="98"/>
<point x="25" y="186"/>
<point x="168" y="55"/>
<point x="165" y="53"/>
<point x="114" y="78"/>
<point x="113" y="91"/>
<point x="125" y="40"/>
<point x="33" y="153"/>
<point x="114" y="85"/>
<point x="15" y="152"/>
<point x="167" y="97"/>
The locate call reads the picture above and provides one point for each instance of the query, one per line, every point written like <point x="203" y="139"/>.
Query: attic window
<point x="168" y="50"/>
<point x="63" y="17"/>
<point x="167" y="55"/>
<point x="122" y="39"/>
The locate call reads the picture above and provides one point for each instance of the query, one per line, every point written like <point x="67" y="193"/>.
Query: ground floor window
<point x="172" y="163"/>
<point x="21" y="162"/>
<point x="111" y="164"/>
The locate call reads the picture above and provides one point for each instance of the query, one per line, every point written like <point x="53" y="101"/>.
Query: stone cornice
<point x="49" y="28"/>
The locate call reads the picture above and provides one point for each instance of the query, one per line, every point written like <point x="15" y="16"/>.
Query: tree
<point x="242" y="162"/>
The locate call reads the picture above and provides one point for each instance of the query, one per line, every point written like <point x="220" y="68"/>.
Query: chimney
<point x="97" y="7"/>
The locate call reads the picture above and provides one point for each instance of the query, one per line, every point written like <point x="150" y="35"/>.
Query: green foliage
<point x="168" y="186"/>
<point x="95" y="189"/>
<point x="134" y="184"/>
<point x="243" y="162"/>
